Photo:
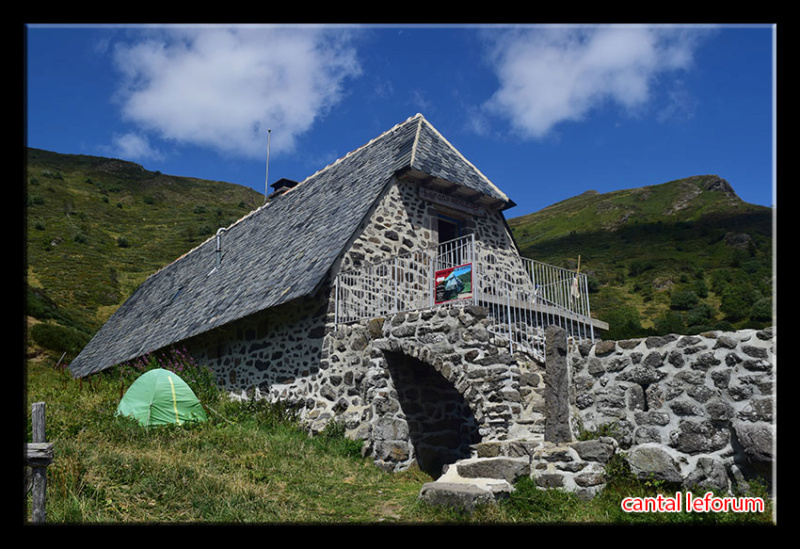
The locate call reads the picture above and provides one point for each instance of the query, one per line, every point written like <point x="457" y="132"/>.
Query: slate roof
<point x="279" y="252"/>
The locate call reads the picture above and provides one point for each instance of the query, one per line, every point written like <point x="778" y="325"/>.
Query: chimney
<point x="280" y="187"/>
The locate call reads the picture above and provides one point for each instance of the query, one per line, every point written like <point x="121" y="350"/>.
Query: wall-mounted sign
<point x="449" y="201"/>
<point x="454" y="283"/>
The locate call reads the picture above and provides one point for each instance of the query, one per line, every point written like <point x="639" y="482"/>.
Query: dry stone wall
<point x="695" y="410"/>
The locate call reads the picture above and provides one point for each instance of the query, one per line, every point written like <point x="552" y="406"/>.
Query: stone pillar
<point x="556" y="428"/>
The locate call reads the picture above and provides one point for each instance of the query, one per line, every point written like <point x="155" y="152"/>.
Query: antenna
<point x="266" y="182"/>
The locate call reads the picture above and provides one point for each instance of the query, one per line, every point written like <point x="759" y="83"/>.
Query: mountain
<point x="683" y="256"/>
<point x="680" y="256"/>
<point x="97" y="227"/>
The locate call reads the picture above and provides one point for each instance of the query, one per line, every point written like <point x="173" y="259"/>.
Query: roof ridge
<point x="464" y="158"/>
<point x="354" y="151"/>
<point x="416" y="138"/>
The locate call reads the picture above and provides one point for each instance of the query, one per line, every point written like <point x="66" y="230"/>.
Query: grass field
<point x="252" y="464"/>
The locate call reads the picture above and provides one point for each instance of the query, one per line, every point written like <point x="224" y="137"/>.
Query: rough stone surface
<point x="557" y="428"/>
<point x="654" y="462"/>
<point x="454" y="494"/>
<point x="684" y="409"/>
<point x="509" y="469"/>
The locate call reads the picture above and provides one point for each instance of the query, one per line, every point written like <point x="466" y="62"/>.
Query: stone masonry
<point x="439" y="389"/>
<point x="696" y="410"/>
<point x="692" y="411"/>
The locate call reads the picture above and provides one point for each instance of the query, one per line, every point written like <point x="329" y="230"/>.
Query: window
<point x="448" y="228"/>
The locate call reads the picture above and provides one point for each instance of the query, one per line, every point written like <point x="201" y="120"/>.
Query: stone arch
<point x="480" y="379"/>
<point x="441" y="426"/>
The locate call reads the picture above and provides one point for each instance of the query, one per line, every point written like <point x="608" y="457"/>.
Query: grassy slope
<point x="97" y="227"/>
<point x="643" y="245"/>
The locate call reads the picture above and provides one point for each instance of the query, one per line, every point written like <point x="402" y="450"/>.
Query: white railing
<point x="524" y="302"/>
<point x="522" y="296"/>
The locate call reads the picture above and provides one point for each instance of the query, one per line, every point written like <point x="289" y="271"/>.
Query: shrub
<point x="701" y="288"/>
<point x="199" y="377"/>
<point x="735" y="303"/>
<point x="261" y="412"/>
<point x="333" y="437"/>
<point x="684" y="300"/>
<point x="670" y="323"/>
<point x="624" y="323"/>
<point x="702" y="314"/>
<point x="58" y="338"/>
<point x="762" y="310"/>
<point x="638" y="266"/>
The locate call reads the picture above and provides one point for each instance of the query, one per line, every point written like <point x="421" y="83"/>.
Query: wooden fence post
<point x="39" y="454"/>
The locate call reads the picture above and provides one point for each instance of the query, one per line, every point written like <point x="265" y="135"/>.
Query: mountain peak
<point x="715" y="183"/>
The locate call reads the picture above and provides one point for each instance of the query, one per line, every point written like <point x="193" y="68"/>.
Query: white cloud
<point x="134" y="146"/>
<point x="551" y="75"/>
<point x="223" y="87"/>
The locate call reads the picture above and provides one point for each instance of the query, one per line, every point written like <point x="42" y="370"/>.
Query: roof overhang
<point x="454" y="190"/>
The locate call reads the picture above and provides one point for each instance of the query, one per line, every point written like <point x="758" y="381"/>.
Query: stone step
<point x="491" y="474"/>
<point x="474" y="481"/>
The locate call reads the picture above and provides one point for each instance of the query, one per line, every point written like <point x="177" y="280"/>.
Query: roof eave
<point x="452" y="188"/>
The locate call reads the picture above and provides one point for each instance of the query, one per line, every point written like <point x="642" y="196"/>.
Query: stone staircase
<point x="491" y="473"/>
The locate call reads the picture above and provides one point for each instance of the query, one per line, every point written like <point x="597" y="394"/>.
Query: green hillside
<point x="97" y="227"/>
<point x="684" y="256"/>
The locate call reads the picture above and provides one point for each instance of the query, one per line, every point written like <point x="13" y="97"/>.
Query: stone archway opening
<point x="441" y="426"/>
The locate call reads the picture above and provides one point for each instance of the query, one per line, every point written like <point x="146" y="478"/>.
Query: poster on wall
<point x="454" y="283"/>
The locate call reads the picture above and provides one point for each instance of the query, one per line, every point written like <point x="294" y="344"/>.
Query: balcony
<point x="522" y="296"/>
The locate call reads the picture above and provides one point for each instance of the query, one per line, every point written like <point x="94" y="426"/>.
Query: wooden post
<point x="39" y="455"/>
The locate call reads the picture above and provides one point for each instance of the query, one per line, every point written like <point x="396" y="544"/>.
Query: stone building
<point x="385" y="292"/>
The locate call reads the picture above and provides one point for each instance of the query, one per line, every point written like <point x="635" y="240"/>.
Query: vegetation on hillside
<point x="682" y="257"/>
<point x="97" y="227"/>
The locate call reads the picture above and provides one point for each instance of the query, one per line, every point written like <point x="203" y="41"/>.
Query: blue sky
<point x="545" y="112"/>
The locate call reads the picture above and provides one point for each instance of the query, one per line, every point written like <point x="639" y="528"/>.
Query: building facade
<point x="302" y="301"/>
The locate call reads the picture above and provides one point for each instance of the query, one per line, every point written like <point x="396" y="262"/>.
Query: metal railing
<point x="522" y="296"/>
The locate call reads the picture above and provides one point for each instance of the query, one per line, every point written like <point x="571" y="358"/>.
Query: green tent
<point x="159" y="397"/>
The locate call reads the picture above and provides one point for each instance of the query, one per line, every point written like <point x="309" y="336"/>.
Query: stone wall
<point x="696" y="410"/>
<point x="493" y="395"/>
<point x="421" y="387"/>
<point x="402" y="222"/>
<point x="693" y="411"/>
<point x="274" y="352"/>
